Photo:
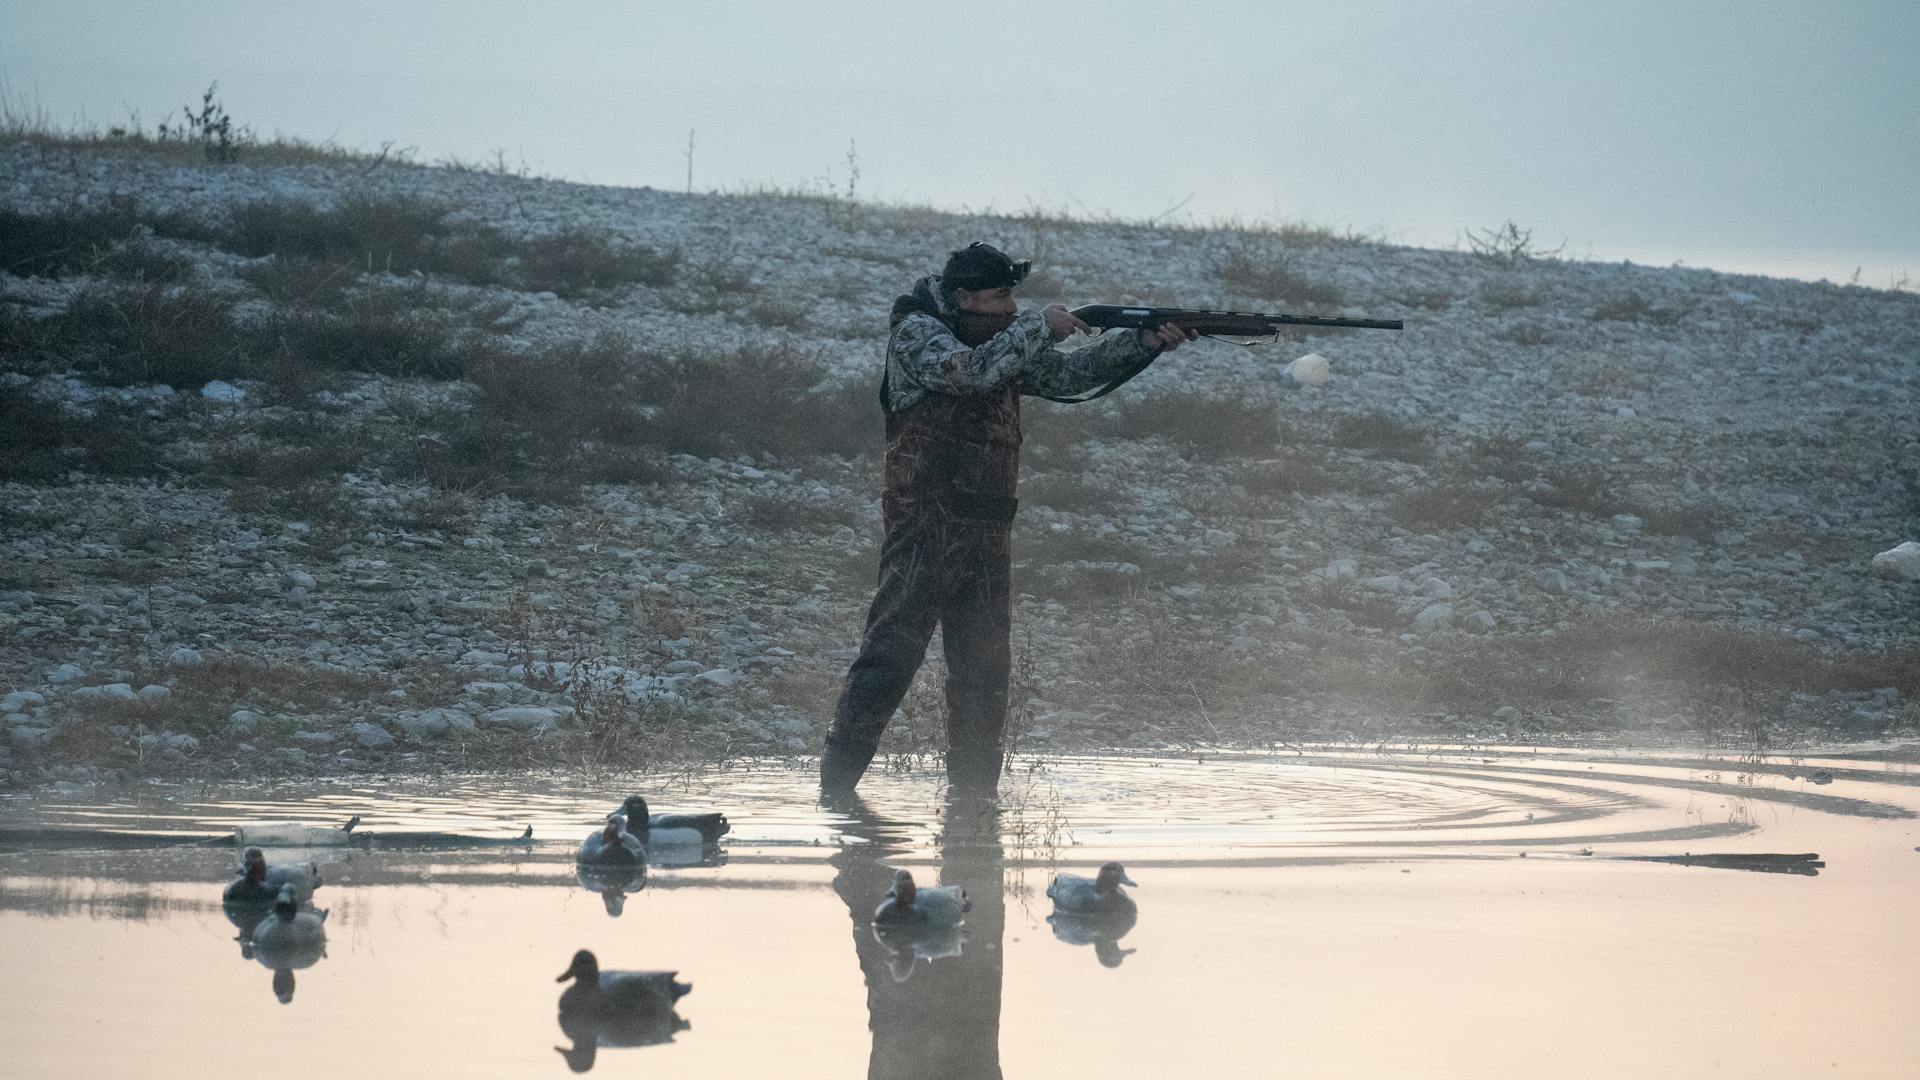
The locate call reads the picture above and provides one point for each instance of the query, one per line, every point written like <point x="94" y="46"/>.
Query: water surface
<point x="1488" y="913"/>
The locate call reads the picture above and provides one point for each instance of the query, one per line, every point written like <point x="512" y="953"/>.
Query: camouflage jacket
<point x="925" y="358"/>
<point x="953" y="412"/>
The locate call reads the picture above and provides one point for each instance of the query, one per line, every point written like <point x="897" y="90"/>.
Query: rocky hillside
<point x="370" y="466"/>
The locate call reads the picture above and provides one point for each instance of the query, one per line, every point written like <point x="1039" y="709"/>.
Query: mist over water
<point x="1764" y="138"/>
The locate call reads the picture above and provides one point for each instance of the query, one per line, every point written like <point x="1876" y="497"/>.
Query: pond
<point x="1488" y="912"/>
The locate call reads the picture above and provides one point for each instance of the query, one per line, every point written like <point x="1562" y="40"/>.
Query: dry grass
<point x="1381" y="433"/>
<point x="1437" y="510"/>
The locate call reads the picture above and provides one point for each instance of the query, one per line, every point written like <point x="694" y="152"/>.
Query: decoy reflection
<point x="613" y="883"/>
<point x="616" y="1008"/>
<point x="288" y="939"/>
<point x="933" y="987"/>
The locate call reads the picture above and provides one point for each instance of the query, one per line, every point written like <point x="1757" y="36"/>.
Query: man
<point x="959" y="356"/>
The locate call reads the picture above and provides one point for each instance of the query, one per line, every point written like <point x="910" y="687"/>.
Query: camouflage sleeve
<point x="929" y="357"/>
<point x="1057" y="373"/>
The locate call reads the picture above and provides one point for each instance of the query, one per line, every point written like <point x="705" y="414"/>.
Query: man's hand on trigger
<point x="1061" y="323"/>
<point x="1168" y="338"/>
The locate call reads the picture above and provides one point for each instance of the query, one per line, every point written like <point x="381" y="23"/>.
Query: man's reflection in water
<point x="934" y="1009"/>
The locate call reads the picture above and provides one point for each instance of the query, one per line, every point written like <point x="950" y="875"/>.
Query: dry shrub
<point x="571" y="262"/>
<point x="40" y="444"/>
<point x="1208" y="426"/>
<point x="1440" y="509"/>
<point x="54" y="245"/>
<point x="1294" y="473"/>
<point x="1073" y="493"/>
<point x="781" y="512"/>
<point x="1694" y="523"/>
<point x="1582" y="490"/>
<point x="150" y="333"/>
<point x="759" y="398"/>
<point x="1381" y="433"/>
<point x="1267" y="271"/>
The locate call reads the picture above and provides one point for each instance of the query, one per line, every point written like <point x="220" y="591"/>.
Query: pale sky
<point x="1758" y="136"/>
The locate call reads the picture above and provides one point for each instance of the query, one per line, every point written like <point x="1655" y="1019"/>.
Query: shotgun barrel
<point x="1235" y="323"/>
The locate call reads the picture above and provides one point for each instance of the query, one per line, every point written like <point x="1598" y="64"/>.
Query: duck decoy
<point x="672" y="829"/>
<point x="909" y="905"/>
<point x="613" y="845"/>
<point x="259" y="883"/>
<point x="288" y="939"/>
<point x="1099" y="895"/>
<point x="606" y="994"/>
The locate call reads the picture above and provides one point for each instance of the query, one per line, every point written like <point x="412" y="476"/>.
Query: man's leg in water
<point x="906" y="605"/>
<point x="975" y="623"/>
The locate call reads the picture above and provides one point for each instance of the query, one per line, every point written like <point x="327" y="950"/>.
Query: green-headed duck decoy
<point x="1099" y="895"/>
<point x="909" y="905"/>
<point x="672" y="829"/>
<point x="289" y="938"/>
<point x="613" y="993"/>
<point x="259" y="883"/>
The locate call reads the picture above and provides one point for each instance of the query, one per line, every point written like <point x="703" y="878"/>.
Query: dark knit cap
<point x="983" y="266"/>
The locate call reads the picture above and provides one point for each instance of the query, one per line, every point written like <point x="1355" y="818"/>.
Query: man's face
<point x="986" y="301"/>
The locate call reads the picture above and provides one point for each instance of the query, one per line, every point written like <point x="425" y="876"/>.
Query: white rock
<point x="21" y="701"/>
<point x="1436" y="589"/>
<point x="1482" y="620"/>
<point x="300" y="579"/>
<point x="1900" y="563"/>
<point x="1627" y="523"/>
<point x="118" y="691"/>
<point x="185" y="744"/>
<point x="1553" y="581"/>
<point x="431" y="723"/>
<point x="154" y="692"/>
<point x="65" y="673"/>
<point x="222" y="391"/>
<point x="1309" y="370"/>
<point x="718" y="677"/>
<point x="243" y="720"/>
<point x="1434" y="617"/>
<point x="528" y="717"/>
<point x="185" y="657"/>
<point x="372" y="736"/>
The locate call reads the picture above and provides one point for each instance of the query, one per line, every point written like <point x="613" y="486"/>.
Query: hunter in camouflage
<point x="959" y="356"/>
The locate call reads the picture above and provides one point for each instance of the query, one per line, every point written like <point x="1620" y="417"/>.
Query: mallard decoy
<point x="287" y="939"/>
<point x="613" y="845"/>
<point x="909" y="905"/>
<point x="260" y="884"/>
<point x="672" y="829"/>
<point x="614" y="993"/>
<point x="1099" y="895"/>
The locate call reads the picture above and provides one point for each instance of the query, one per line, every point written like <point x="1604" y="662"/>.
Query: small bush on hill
<point x="570" y="262"/>
<point x="149" y="333"/>
<point x="756" y="398"/>
<point x="54" y="245"/>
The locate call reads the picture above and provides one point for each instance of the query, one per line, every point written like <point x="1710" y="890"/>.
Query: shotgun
<point x="1231" y="323"/>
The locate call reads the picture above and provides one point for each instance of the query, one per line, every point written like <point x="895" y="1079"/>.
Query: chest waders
<point x="952" y="463"/>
